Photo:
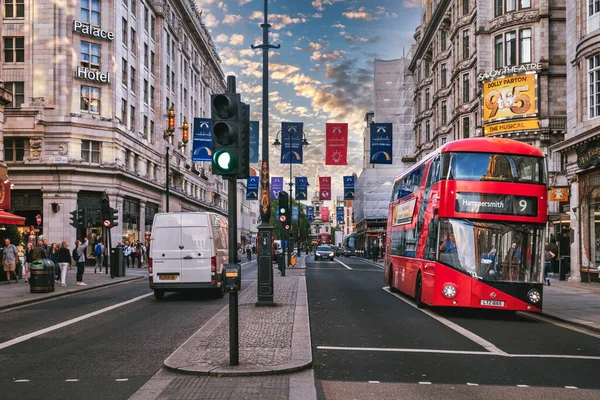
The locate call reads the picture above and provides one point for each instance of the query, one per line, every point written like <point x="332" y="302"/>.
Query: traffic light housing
<point x="105" y="208"/>
<point x="226" y="112"/>
<point x="114" y="217"/>
<point x="73" y="222"/>
<point x="245" y="143"/>
<point x="284" y="214"/>
<point x="80" y="218"/>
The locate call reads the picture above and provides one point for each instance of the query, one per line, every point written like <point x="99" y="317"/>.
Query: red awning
<point x="7" y="218"/>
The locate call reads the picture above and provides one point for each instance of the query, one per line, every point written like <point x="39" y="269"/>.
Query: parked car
<point x="323" y="252"/>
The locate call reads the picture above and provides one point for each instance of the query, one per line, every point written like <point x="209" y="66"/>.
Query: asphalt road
<point x="109" y="354"/>
<point x="367" y="340"/>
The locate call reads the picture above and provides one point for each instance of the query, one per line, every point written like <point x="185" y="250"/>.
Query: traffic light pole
<point x="167" y="165"/>
<point x="234" y="358"/>
<point x="265" y="229"/>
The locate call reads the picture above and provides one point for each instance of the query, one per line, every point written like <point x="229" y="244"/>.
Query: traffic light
<point x="226" y="131"/>
<point x="245" y="143"/>
<point x="114" y="217"/>
<point x="73" y="222"/>
<point x="80" y="218"/>
<point x="105" y="207"/>
<point x="283" y="207"/>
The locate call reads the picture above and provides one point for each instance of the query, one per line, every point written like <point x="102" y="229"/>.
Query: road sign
<point x="38" y="219"/>
<point x="106" y="223"/>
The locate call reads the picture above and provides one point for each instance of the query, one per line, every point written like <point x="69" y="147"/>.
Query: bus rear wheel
<point x="419" y="292"/>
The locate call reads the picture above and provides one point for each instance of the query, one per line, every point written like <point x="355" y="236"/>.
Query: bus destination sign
<point x="487" y="203"/>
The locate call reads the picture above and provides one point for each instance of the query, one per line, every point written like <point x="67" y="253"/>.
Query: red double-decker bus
<point x="324" y="238"/>
<point x="466" y="227"/>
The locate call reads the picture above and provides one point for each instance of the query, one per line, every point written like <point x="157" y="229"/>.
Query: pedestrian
<point x="553" y="247"/>
<point x="375" y="252"/>
<point x="38" y="252"/>
<point x="548" y="256"/>
<point x="28" y="259"/>
<point x="80" y="260"/>
<point x="99" y="251"/>
<point x="138" y="255"/>
<point x="249" y="252"/>
<point x="126" y="253"/>
<point x="46" y="247"/>
<point x="53" y="255"/>
<point x="64" y="261"/>
<point x="9" y="260"/>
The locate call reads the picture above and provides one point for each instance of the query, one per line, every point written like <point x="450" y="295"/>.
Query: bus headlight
<point x="534" y="296"/>
<point x="449" y="291"/>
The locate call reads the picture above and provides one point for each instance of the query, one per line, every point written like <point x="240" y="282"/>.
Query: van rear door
<point x="196" y="251"/>
<point x="164" y="249"/>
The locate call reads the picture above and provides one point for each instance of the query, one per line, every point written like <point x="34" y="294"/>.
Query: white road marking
<point x="374" y="382"/>
<point x="538" y="317"/>
<point x="567" y="356"/>
<point x="399" y="350"/>
<point x="472" y="384"/>
<point x="21" y="380"/>
<point x="457" y="328"/>
<point x="369" y="262"/>
<point x="121" y="379"/>
<point x="522" y="386"/>
<point x="71" y="380"/>
<point x="424" y="383"/>
<point x="69" y="322"/>
<point x="335" y="259"/>
<point x="570" y="387"/>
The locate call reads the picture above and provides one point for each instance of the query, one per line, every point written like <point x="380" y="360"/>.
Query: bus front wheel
<point x="419" y="292"/>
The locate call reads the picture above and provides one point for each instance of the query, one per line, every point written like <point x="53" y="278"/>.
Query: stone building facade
<point x="92" y="82"/>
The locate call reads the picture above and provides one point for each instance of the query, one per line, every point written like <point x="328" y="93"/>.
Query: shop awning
<point x="7" y="218"/>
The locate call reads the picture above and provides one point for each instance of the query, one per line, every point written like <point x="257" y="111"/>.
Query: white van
<point x="187" y="251"/>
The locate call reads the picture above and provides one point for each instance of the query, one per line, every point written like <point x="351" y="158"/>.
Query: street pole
<point x="265" y="229"/>
<point x="234" y="357"/>
<point x="167" y="177"/>
<point x="290" y="248"/>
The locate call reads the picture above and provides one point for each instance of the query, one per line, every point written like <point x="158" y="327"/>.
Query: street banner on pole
<point x="325" y="188"/>
<point x="349" y="187"/>
<point x="301" y="188"/>
<point x="295" y="213"/>
<point x="325" y="214"/>
<point x="254" y="135"/>
<point x="291" y="142"/>
<point x="310" y="213"/>
<point x="252" y="188"/>
<point x="276" y="187"/>
<point x="339" y="214"/>
<point x="202" y="140"/>
<point x="336" y="144"/>
<point x="381" y="143"/>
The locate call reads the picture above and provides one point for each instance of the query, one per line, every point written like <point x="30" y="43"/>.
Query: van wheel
<point x="159" y="294"/>
<point x="419" y="292"/>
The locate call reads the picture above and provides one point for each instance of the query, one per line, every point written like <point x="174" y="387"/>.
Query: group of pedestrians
<point x="133" y="252"/>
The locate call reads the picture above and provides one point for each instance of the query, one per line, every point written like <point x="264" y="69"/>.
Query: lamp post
<point x="277" y="143"/>
<point x="166" y="135"/>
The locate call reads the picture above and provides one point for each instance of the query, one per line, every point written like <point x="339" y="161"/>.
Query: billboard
<point x="510" y="103"/>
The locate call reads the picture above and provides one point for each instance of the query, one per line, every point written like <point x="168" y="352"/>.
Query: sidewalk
<point x="577" y="303"/>
<point x="17" y="294"/>
<point x="271" y="339"/>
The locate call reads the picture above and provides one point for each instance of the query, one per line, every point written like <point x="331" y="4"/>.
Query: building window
<point x="152" y="27"/>
<point x="124" y="111"/>
<point x="444" y="140"/>
<point x="124" y="31"/>
<point x="525" y="45"/>
<point x="90" y="55"/>
<point x="145" y="90"/>
<point x="444" y="112"/>
<point x="498" y="7"/>
<point x="466" y="128"/>
<point x="146" y="55"/>
<point x="498" y="51"/>
<point x="465" y="6"/>
<point x="593" y="7"/>
<point x="133" y="42"/>
<point x="443" y="78"/>
<point x="443" y="40"/>
<point x="146" y="126"/>
<point x="466" y="88"/>
<point x="14" y="149"/>
<point x="124" y="71"/>
<point x="132" y="118"/>
<point x="14" y="49"/>
<point x="427" y="99"/>
<point x="132" y="79"/>
<point x="510" y="38"/>
<point x="525" y="4"/>
<point x="167" y="75"/>
<point x="502" y="6"/>
<point x="465" y="44"/>
<point x="152" y="62"/>
<point x="427" y="131"/>
<point x="14" y="9"/>
<point x="18" y="91"/>
<point x="90" y="12"/>
<point x="90" y="151"/>
<point x="134" y="7"/>
<point x="151" y="138"/>
<point x="419" y="75"/>
<point x="427" y="68"/>
<point x="90" y="99"/>
<point x="152" y="96"/>
<point x="146" y="19"/>
<point x="594" y="86"/>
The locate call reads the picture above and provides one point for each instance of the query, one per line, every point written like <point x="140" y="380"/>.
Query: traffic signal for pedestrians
<point x="245" y="143"/>
<point x="226" y="113"/>
<point x="283" y="207"/>
<point x="73" y="222"/>
<point x="80" y="218"/>
<point x="114" y="217"/>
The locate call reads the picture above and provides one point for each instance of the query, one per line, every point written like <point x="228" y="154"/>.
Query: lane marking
<point x="570" y="387"/>
<point x="400" y="350"/>
<point x="472" y="384"/>
<point x="21" y="380"/>
<point x="374" y="382"/>
<point x="424" y="383"/>
<point x="370" y="263"/>
<point x="522" y="386"/>
<point x="561" y="324"/>
<point x="457" y="328"/>
<point x="71" y="380"/>
<point x="121" y="379"/>
<point x="70" y="322"/>
<point x="338" y="261"/>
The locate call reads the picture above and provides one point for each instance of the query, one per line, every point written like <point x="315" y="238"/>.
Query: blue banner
<point x="276" y="187"/>
<point x="310" y="213"/>
<point x="291" y="142"/>
<point x="202" y="140"/>
<point x="295" y="213"/>
<point x="301" y="188"/>
<point x="339" y="214"/>
<point x="252" y="188"/>
<point x="349" y="187"/>
<point x="254" y="135"/>
<point x="381" y="143"/>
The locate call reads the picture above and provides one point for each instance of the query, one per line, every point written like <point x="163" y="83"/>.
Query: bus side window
<point x="395" y="191"/>
<point x="431" y="246"/>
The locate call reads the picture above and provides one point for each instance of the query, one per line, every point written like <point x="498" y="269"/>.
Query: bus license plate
<point x="168" y="277"/>
<point x="493" y="303"/>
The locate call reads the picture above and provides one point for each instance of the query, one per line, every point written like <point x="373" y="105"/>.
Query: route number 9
<point x="523" y="204"/>
<point x="517" y="101"/>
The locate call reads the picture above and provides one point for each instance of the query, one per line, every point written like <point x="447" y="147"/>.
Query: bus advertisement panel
<point x="466" y="226"/>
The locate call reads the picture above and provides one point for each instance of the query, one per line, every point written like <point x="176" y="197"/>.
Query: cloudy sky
<point x="323" y="71"/>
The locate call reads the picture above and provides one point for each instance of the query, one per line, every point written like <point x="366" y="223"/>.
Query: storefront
<point x="131" y="219"/>
<point x="28" y="204"/>
<point x="589" y="220"/>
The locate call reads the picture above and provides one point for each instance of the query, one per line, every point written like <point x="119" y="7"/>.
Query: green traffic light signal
<point x="224" y="163"/>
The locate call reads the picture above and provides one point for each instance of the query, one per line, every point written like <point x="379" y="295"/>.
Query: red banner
<point x="336" y="144"/>
<point x="325" y="214"/>
<point x="5" y="195"/>
<point x="325" y="188"/>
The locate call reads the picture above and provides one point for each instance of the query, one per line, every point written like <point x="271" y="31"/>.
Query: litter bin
<point x="41" y="276"/>
<point x="116" y="262"/>
<point x="280" y="262"/>
<point x="565" y="267"/>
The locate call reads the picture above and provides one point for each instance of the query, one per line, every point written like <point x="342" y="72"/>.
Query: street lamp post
<point x="166" y="135"/>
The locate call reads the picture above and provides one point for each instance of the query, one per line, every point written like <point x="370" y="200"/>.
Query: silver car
<point x="323" y="252"/>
